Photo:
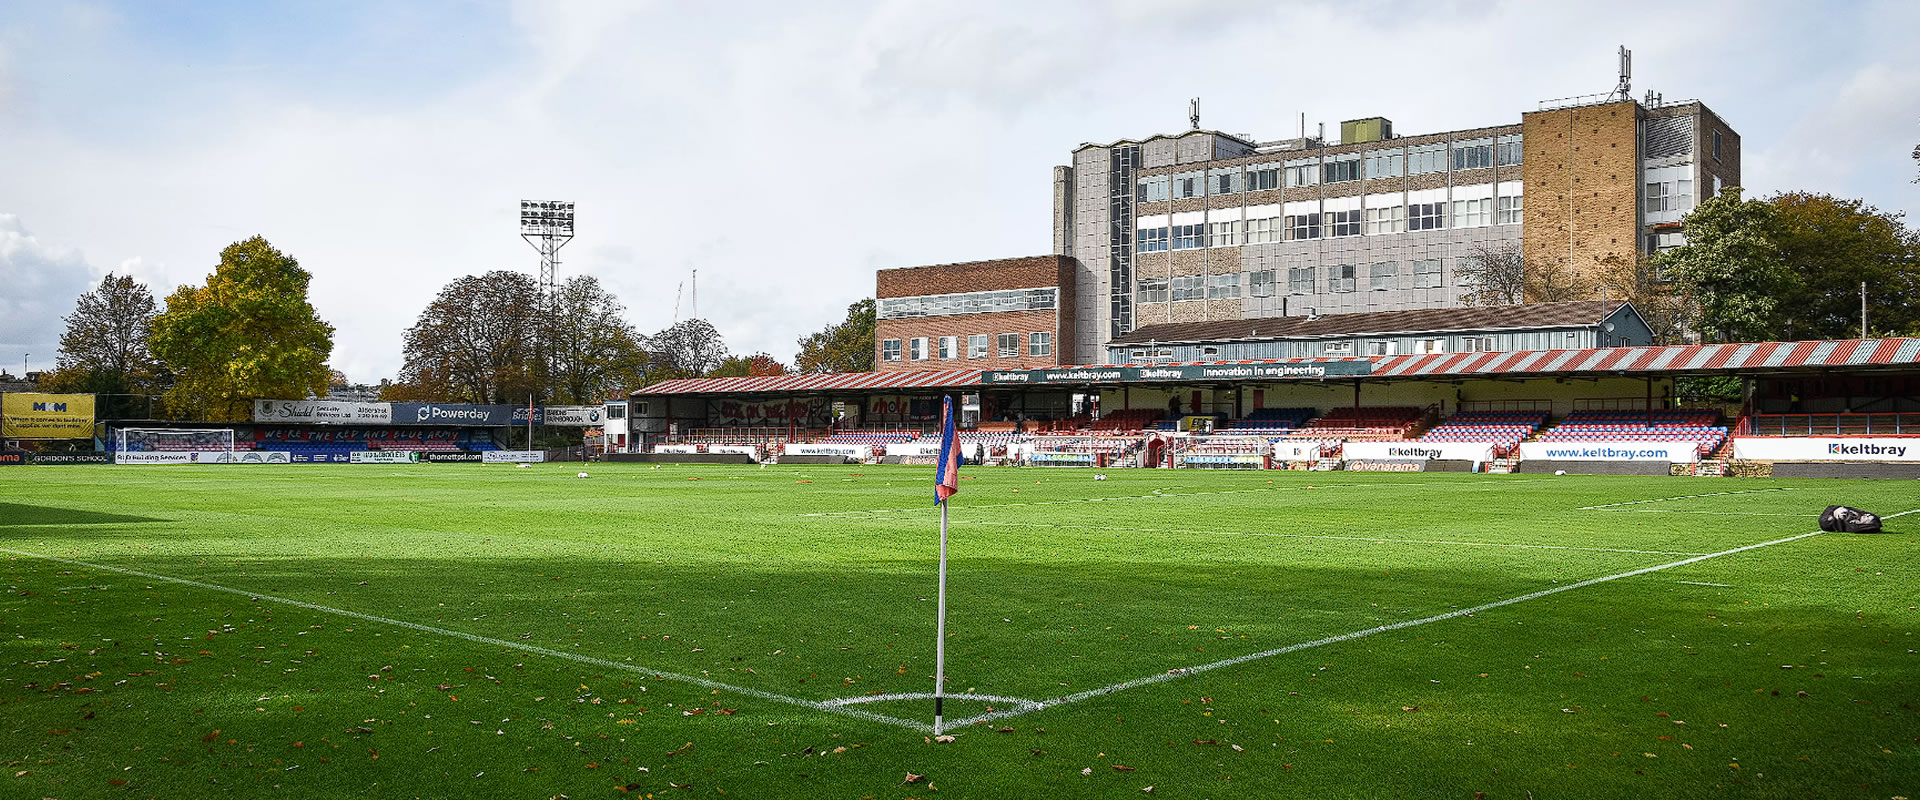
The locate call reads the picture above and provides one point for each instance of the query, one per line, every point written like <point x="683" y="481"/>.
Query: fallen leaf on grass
<point x="1123" y="768"/>
<point x="913" y="778"/>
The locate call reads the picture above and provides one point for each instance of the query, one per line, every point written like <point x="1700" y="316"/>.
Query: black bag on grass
<point x="1842" y="519"/>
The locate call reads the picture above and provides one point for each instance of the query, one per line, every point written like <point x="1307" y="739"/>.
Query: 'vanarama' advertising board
<point x="1834" y="448"/>
<point x="1671" y="452"/>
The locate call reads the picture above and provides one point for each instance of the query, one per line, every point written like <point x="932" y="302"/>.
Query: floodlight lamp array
<point x="546" y="217"/>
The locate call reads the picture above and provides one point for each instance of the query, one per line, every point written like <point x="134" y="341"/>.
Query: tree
<point x="845" y="347"/>
<point x="1732" y="267"/>
<point x="1790" y="267"/>
<point x="104" y="348"/>
<point x="249" y="333"/>
<point x="689" y="348"/>
<point x="760" y="365"/>
<point x="475" y="341"/>
<point x="592" y="349"/>
<point x="1500" y="275"/>
<point x="1636" y="280"/>
<point x="1831" y="246"/>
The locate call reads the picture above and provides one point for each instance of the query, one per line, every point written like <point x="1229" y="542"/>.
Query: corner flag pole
<point x="940" y="632"/>
<point x="946" y="482"/>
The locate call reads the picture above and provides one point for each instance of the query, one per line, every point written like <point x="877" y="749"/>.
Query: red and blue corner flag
<point x="946" y="479"/>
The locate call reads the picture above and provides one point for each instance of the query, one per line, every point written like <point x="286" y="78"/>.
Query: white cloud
<point x="42" y="282"/>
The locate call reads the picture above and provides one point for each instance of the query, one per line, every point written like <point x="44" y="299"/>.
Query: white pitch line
<point x="830" y="706"/>
<point x="1704" y="583"/>
<point x="1694" y="511"/>
<point x="881" y="698"/>
<point x="1173" y="674"/>
<point x="1683" y="497"/>
<point x="1161" y="493"/>
<point x="1374" y="539"/>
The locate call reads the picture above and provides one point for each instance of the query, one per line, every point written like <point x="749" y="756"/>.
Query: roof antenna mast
<point x="1625" y="89"/>
<point x="1193" y="112"/>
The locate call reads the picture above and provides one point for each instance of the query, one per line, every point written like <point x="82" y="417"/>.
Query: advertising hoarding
<point x="33" y="415"/>
<point x="1672" y="452"/>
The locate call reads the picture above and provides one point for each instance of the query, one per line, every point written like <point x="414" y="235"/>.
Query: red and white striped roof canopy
<point x="1755" y="358"/>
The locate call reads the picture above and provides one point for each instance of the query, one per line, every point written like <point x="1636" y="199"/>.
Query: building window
<point x="1341" y="278"/>
<point x="1472" y="213"/>
<point x="1507" y="152"/>
<point x="1223" y="287"/>
<point x="1507" y="209"/>
<point x="1336" y="348"/>
<point x="1190" y="287"/>
<point x="1385" y="164"/>
<point x="1392" y="219"/>
<point x="1343" y="223"/>
<point x="918" y="346"/>
<point x="1260" y="283"/>
<point x="1380" y="348"/>
<point x="1300" y="280"/>
<point x="1425" y="216"/>
<point x="1303" y="226"/>
<point x="1429" y="346"/>
<point x="1259" y="180"/>
<point x="977" y="346"/>
<point x="1188" y="185"/>
<point x="1151" y="240"/>
<point x="1476" y="344"/>
<point x="1716" y="145"/>
<point x="1666" y="240"/>
<point x="1039" y="343"/>
<point x="1427" y="158"/>
<point x="1009" y="345"/>
<point x="1340" y="169"/>
<point x="1189" y="237"/>
<point x="1473" y="155"/>
<point x="1152" y="290"/>
<point x="940" y="305"/>
<point x="1153" y="190"/>
<point x="1263" y="230"/>
<point x="1225" y="182"/>
<point x="949" y="348"/>
<point x="1223" y="234"/>
<point x="1669" y="193"/>
<point x="1302" y="172"/>
<point x="1426" y="274"/>
<point x="890" y="350"/>
<point x="1383" y="276"/>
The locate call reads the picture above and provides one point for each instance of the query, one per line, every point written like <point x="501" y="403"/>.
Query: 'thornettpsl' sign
<point x="1286" y="371"/>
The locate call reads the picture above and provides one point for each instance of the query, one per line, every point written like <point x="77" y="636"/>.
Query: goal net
<point x="174" y="445"/>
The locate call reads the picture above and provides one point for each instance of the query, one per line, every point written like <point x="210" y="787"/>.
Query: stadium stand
<point x="1503" y="429"/>
<point x="1364" y="423"/>
<point x="1272" y="421"/>
<point x="1702" y="427"/>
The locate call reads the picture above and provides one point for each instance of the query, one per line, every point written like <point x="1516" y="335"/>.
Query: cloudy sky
<point x="787" y="150"/>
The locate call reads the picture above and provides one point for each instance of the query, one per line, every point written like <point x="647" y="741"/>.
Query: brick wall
<point x="1581" y="168"/>
<point x="1054" y="271"/>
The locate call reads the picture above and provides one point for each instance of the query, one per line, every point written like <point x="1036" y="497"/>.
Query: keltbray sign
<point x="1477" y="452"/>
<point x="1289" y="371"/>
<point x="340" y="412"/>
<point x="1671" y="452"/>
<point x="1835" y="448"/>
<point x="32" y="415"/>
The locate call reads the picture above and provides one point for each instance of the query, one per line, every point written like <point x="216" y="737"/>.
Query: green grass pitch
<point x="484" y="631"/>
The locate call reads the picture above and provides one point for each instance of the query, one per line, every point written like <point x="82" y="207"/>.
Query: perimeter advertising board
<point x="1477" y="452"/>
<point x="1672" y="452"/>
<point x="454" y="415"/>
<point x="850" y="450"/>
<point x="72" y="458"/>
<point x="452" y="457"/>
<point x="513" y="456"/>
<point x="32" y="415"/>
<point x="565" y="416"/>
<point x="332" y="412"/>
<point x="203" y="457"/>
<point x="1849" y="448"/>
<point x="1299" y="370"/>
<point x="12" y="459"/>
<point x="382" y="457"/>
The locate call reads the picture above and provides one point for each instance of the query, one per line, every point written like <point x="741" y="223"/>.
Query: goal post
<point x="174" y="446"/>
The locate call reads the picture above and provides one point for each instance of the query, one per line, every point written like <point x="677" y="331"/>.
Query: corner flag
<point x="947" y="475"/>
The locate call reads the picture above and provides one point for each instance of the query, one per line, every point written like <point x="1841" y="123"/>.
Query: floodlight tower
<point x="548" y="226"/>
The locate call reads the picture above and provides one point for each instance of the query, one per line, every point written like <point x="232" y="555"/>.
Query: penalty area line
<point x="1329" y="536"/>
<point x="830" y="706"/>
<point x="1162" y="494"/>
<point x="1183" y="672"/>
<point x="1685" y="497"/>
